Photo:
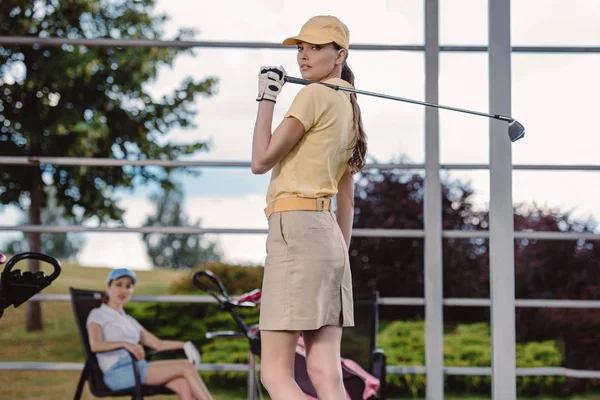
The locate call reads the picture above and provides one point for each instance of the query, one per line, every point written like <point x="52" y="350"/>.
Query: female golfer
<point x="314" y="152"/>
<point x="111" y="330"/>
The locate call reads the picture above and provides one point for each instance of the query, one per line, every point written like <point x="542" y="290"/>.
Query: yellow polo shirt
<point x="316" y="163"/>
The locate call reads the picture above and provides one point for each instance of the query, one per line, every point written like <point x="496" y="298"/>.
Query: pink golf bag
<point x="359" y="384"/>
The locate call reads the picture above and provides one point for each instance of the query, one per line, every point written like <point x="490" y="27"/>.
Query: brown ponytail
<point x="105" y="294"/>
<point x="358" y="159"/>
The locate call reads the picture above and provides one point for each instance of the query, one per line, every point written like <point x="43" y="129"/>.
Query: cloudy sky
<point x="553" y="95"/>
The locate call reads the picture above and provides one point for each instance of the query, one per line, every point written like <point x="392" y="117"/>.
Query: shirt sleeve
<point x="306" y="106"/>
<point x="94" y="316"/>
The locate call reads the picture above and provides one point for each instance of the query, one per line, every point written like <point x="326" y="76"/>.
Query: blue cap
<point x="119" y="273"/>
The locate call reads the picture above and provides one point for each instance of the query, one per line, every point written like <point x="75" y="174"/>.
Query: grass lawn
<point x="60" y="385"/>
<point x="59" y="341"/>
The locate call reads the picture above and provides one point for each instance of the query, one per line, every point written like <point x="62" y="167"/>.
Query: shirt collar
<point x="112" y="310"/>
<point x="339" y="82"/>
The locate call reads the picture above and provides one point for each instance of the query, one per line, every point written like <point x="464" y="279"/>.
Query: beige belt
<point x="298" y="204"/>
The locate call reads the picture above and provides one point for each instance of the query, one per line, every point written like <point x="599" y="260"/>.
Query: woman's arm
<point x="268" y="149"/>
<point x="150" y="340"/>
<point x="345" y="206"/>
<point x="98" y="345"/>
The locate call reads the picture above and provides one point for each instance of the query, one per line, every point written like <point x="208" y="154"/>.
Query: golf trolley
<point x="358" y="383"/>
<point x="16" y="286"/>
<point x="201" y="280"/>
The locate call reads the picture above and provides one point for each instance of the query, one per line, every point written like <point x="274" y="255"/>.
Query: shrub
<point x="225" y="351"/>
<point x="464" y="346"/>
<point x="237" y="279"/>
<point x="182" y="321"/>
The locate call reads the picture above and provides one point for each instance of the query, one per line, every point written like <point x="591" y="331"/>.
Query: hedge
<point x="467" y="345"/>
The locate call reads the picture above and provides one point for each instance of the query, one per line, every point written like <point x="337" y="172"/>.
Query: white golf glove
<point x="270" y="82"/>
<point x="191" y="352"/>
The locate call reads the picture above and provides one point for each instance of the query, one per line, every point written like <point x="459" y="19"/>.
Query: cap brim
<point x="112" y="278"/>
<point x="292" y="41"/>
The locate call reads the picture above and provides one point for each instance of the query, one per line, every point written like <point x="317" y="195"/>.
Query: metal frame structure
<point x="501" y="233"/>
<point x="432" y="213"/>
<point x="502" y="259"/>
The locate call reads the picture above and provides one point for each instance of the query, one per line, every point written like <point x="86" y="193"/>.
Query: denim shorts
<point x="120" y="375"/>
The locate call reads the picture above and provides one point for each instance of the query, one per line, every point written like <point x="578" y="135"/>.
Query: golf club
<point x="515" y="130"/>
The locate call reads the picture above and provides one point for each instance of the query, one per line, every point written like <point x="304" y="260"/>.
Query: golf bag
<point x="359" y="384"/>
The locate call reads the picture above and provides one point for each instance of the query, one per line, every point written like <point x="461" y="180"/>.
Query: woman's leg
<point x="162" y="372"/>
<point x="278" y="349"/>
<point x="324" y="363"/>
<point x="181" y="387"/>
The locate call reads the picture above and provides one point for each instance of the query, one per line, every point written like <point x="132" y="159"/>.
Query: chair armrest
<point x="108" y="351"/>
<point x="136" y="374"/>
<point x="150" y="354"/>
<point x="119" y="348"/>
<point x="161" y="354"/>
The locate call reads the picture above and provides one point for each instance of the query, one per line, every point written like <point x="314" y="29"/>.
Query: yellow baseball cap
<point x="322" y="29"/>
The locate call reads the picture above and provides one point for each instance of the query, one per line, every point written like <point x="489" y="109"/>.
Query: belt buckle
<point x="322" y="204"/>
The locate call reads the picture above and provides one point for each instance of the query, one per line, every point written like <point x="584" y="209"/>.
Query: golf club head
<point x="515" y="130"/>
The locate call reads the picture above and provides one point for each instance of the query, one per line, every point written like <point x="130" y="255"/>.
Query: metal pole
<point x="104" y="42"/>
<point x="251" y="376"/>
<point x="110" y="162"/>
<point x="502" y="267"/>
<point x="434" y="311"/>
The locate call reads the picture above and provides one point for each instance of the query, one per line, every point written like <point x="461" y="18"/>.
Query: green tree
<point x="176" y="250"/>
<point x="393" y="199"/>
<point x="64" y="246"/>
<point x="78" y="101"/>
<point x="544" y="269"/>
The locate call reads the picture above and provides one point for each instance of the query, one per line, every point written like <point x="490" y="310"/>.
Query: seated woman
<point x="111" y="331"/>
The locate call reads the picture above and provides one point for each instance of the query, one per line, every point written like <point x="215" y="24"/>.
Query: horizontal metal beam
<point x="124" y="229"/>
<point x="467" y="302"/>
<point x="359" y="232"/>
<point x="405" y="369"/>
<point x="477" y="302"/>
<point x="527" y="167"/>
<point x="556" y="235"/>
<point x="56" y="41"/>
<point x="405" y="233"/>
<point x="558" y="371"/>
<point x="76" y="366"/>
<point x="533" y="235"/>
<point x="390" y="369"/>
<point x="531" y="303"/>
<point x="112" y="162"/>
<point x="526" y="49"/>
<point x="107" y="42"/>
<point x="401" y="301"/>
<point x="383" y="301"/>
<point x="483" y="371"/>
<point x="525" y="303"/>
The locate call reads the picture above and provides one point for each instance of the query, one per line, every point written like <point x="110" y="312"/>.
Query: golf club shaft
<point x="300" y="81"/>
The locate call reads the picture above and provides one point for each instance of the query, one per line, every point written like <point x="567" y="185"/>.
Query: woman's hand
<point x="270" y="82"/>
<point x="137" y="350"/>
<point x="150" y="340"/>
